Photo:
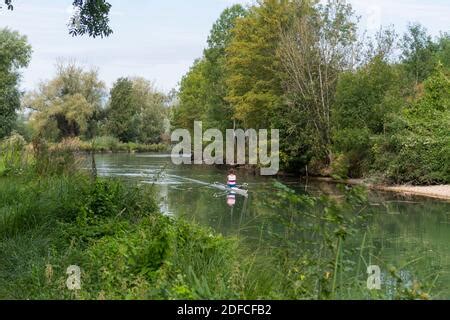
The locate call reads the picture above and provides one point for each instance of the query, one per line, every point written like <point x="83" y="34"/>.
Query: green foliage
<point x="192" y="97"/>
<point x="314" y="51"/>
<point x="15" y="53"/>
<point x="122" y="119"/>
<point x="443" y="50"/>
<point x="418" y="52"/>
<point x="136" y="111"/>
<point x="90" y="17"/>
<point x="252" y="67"/>
<point x="363" y="104"/>
<point x="67" y="105"/>
<point x="106" y="143"/>
<point x="418" y="149"/>
<point x="340" y="167"/>
<point x="13" y="155"/>
<point x="203" y="90"/>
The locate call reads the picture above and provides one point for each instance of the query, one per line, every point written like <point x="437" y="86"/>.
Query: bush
<point x="416" y="147"/>
<point x="13" y="155"/>
<point x="107" y="143"/>
<point x="340" y="167"/>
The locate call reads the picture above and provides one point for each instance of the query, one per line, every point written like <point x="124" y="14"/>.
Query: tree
<point x="221" y="32"/>
<point x="203" y="89"/>
<point x="416" y="146"/>
<point x="443" y="51"/>
<point x="253" y="69"/>
<point x="192" y="97"/>
<point x="219" y="112"/>
<point x="418" y="52"/>
<point x="365" y="100"/>
<point x="152" y="111"/>
<point x="90" y="17"/>
<point x="67" y="105"/>
<point x="15" y="53"/>
<point x="317" y="48"/>
<point x="136" y="111"/>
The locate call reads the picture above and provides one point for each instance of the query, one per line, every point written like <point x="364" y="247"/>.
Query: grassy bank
<point x="108" y="144"/>
<point x="125" y="248"/>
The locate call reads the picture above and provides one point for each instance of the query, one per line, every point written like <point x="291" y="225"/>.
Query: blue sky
<point x="159" y="39"/>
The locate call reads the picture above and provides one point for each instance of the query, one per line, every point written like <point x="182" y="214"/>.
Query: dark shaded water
<point x="412" y="234"/>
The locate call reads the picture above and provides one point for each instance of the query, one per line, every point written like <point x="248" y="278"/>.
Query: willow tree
<point x="317" y="48"/>
<point x="67" y="105"/>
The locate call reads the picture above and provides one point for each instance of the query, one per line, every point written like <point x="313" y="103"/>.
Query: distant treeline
<point x="76" y="104"/>
<point x="347" y="105"/>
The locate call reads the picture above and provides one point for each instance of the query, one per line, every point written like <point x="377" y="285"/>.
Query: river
<point x="410" y="233"/>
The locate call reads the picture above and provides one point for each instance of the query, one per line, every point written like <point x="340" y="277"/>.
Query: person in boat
<point x="231" y="179"/>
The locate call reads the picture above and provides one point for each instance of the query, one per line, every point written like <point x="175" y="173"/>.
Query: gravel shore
<point x="437" y="192"/>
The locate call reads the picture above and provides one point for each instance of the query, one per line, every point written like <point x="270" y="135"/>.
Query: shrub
<point x="59" y="159"/>
<point x="416" y="148"/>
<point x="106" y="143"/>
<point x="340" y="167"/>
<point x="13" y="155"/>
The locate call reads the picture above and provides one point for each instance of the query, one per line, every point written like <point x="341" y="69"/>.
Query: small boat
<point x="216" y="185"/>
<point x="236" y="190"/>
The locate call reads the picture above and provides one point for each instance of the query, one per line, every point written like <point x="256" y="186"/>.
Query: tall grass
<point x="107" y="144"/>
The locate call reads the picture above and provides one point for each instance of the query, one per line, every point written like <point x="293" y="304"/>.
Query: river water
<point x="412" y="234"/>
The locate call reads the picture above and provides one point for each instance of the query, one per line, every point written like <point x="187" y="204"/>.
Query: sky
<point x="160" y="39"/>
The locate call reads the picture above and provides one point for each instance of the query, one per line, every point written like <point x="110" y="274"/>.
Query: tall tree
<point x="314" y="52"/>
<point x="136" y="111"/>
<point x="192" y="97"/>
<point x="416" y="147"/>
<point x="365" y="99"/>
<point x="418" y="51"/>
<point x="66" y="105"/>
<point x="152" y="111"/>
<point x="443" y="50"/>
<point x="219" y="112"/>
<point x="15" y="53"/>
<point x="203" y="89"/>
<point x="252" y="66"/>
<point x="122" y="111"/>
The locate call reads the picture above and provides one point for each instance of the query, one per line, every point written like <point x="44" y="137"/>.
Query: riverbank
<point x="441" y="192"/>
<point x="107" y="145"/>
